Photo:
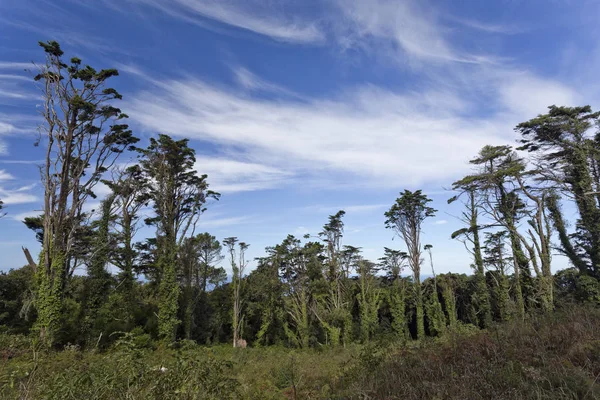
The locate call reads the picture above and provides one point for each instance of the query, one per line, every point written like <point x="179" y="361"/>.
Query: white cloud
<point x="250" y="81"/>
<point x="9" y="197"/>
<point x="21" y="216"/>
<point x="528" y="95"/>
<point x="440" y="222"/>
<point x="210" y="222"/>
<point x="227" y="175"/>
<point x="5" y="176"/>
<point x="381" y="137"/>
<point x="15" y="65"/>
<point x="408" y="25"/>
<point x="252" y="15"/>
<point x="349" y="209"/>
<point x="17" y="195"/>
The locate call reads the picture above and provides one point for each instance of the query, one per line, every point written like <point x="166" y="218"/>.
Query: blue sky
<point x="300" y="108"/>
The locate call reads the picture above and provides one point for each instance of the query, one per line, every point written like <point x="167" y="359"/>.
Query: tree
<point x="496" y="182"/>
<point x="394" y="261"/>
<point x="497" y="259"/>
<point x="369" y="299"/>
<point x="210" y="254"/>
<point x="99" y="279"/>
<point x="568" y="159"/>
<point x="178" y="196"/>
<point x="299" y="266"/>
<point x="265" y="311"/>
<point x="405" y="217"/>
<point x="334" y="313"/>
<point x="471" y="234"/>
<point x="198" y="256"/>
<point x="435" y="313"/>
<point x="238" y="266"/>
<point x="130" y="190"/>
<point x="84" y="136"/>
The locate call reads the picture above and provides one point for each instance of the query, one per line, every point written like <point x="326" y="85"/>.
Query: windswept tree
<point x="470" y="236"/>
<point x="566" y="149"/>
<point x="83" y="133"/>
<point x="237" y="258"/>
<point x="497" y="167"/>
<point x="405" y="217"/>
<point x="178" y="195"/>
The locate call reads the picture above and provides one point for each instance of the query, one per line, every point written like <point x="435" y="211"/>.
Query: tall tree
<point x="198" y="256"/>
<point x="568" y="159"/>
<point x="299" y="266"/>
<point x="393" y="262"/>
<point x="130" y="189"/>
<point x="495" y="179"/>
<point x="405" y="217"/>
<point x="210" y="254"/>
<point x="497" y="260"/>
<point x="335" y="315"/>
<point x="84" y="135"/>
<point x="238" y="266"/>
<point x="369" y="298"/>
<point x="435" y="313"/>
<point x="471" y="235"/>
<point x="178" y="195"/>
<point x="99" y="279"/>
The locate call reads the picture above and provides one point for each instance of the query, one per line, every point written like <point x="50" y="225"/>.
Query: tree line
<point x="305" y="292"/>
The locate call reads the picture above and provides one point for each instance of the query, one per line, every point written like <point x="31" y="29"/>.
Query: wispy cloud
<point x="9" y="65"/>
<point x="488" y="27"/>
<point x="408" y="25"/>
<point x="228" y="175"/>
<point x="251" y="15"/>
<point x="351" y="209"/>
<point x="22" y="215"/>
<point x="16" y="195"/>
<point x="21" y="161"/>
<point x="250" y="81"/>
<point x="211" y="222"/>
<point x="10" y="198"/>
<point x="440" y="222"/>
<point x="366" y="135"/>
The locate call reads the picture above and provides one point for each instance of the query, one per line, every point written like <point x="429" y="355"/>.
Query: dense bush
<point x="551" y="357"/>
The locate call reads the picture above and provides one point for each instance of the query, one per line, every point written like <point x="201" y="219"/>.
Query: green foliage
<point x="553" y="357"/>
<point x="436" y="320"/>
<point x="574" y="287"/>
<point x="562" y="139"/>
<point x="16" y="298"/>
<point x="178" y="195"/>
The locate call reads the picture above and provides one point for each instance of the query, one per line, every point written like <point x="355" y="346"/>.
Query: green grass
<point x="550" y="357"/>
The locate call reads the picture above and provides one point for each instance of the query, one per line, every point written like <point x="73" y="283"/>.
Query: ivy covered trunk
<point x="49" y="295"/>
<point x="168" y="294"/>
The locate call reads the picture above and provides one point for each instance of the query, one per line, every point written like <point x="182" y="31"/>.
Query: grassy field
<point x="550" y="357"/>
